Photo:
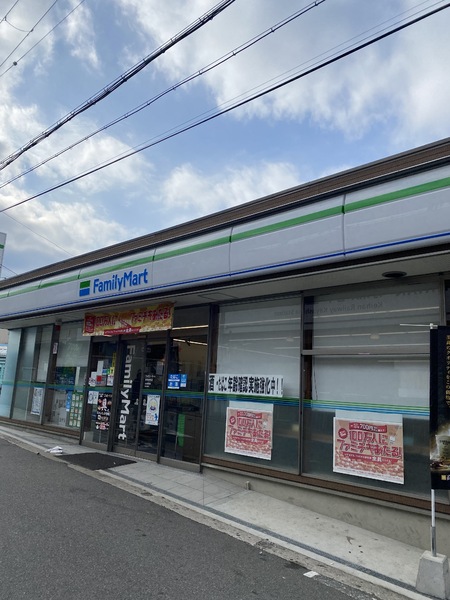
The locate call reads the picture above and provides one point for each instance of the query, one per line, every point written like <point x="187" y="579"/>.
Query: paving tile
<point x="192" y="495"/>
<point x="165" y="484"/>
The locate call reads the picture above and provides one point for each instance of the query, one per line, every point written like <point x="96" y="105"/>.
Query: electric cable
<point x="216" y="63"/>
<point x="8" y="269"/>
<point x="202" y="71"/>
<point x="29" y="32"/>
<point x="106" y="91"/>
<point x="12" y="7"/>
<point x="234" y="106"/>
<point x="16" y="62"/>
<point x="39" y="235"/>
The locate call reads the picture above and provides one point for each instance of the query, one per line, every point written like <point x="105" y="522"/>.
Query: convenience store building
<point x="283" y="342"/>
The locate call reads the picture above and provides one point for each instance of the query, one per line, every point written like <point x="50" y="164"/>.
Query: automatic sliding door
<point x="151" y="396"/>
<point x="128" y="391"/>
<point x="183" y="408"/>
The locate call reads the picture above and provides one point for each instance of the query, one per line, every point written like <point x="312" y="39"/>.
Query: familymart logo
<point x="117" y="283"/>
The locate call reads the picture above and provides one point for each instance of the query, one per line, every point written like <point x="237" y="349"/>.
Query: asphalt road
<point x="66" y="535"/>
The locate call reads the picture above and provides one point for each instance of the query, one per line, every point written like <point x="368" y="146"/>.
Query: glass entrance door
<point x="139" y="395"/>
<point x="128" y="390"/>
<point x="100" y="381"/>
<point x="183" y="406"/>
<point x="158" y="409"/>
<point x="151" y="395"/>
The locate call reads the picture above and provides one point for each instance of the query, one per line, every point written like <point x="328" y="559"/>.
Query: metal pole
<point x="433" y="525"/>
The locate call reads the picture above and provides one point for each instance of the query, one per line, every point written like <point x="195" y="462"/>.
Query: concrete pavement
<point x="372" y="558"/>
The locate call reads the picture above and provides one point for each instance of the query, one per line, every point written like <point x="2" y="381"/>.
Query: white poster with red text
<point x="369" y="449"/>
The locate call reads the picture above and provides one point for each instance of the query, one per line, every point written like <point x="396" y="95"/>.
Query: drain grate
<point x="95" y="460"/>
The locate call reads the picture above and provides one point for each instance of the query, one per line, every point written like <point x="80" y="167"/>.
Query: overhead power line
<point x="197" y="24"/>
<point x="236" y="105"/>
<point x="16" y="62"/>
<point x="12" y="7"/>
<point x="28" y="33"/>
<point x="216" y="63"/>
<point x="40" y="235"/>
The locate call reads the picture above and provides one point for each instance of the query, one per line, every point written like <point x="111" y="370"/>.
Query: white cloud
<point x="80" y="35"/>
<point x="393" y="95"/>
<point x="423" y="112"/>
<point x="20" y="123"/>
<point x="43" y="233"/>
<point x="89" y="155"/>
<point x="17" y="123"/>
<point x="188" y="194"/>
<point x="399" y="83"/>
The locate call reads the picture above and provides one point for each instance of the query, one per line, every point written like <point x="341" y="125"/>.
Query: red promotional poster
<point x="369" y="449"/>
<point x="249" y="432"/>
<point x="136" y="320"/>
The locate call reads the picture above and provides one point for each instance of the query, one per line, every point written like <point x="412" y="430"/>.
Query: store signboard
<point x="249" y="432"/>
<point x="139" y="320"/>
<point x="440" y="408"/>
<point x="372" y="449"/>
<point x="246" y="385"/>
<point x="174" y="381"/>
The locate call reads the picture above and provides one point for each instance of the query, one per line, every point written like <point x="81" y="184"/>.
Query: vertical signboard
<point x="440" y="408"/>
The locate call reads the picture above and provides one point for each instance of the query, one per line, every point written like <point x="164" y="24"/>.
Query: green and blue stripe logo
<point x="85" y="288"/>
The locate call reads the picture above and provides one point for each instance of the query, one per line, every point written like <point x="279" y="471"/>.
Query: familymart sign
<point x="124" y="281"/>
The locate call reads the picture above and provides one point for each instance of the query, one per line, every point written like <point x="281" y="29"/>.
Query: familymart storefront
<point x="284" y="343"/>
<point x="130" y="380"/>
<point x="324" y="387"/>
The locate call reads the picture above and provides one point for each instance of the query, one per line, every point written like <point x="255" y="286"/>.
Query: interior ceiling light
<point x="394" y="274"/>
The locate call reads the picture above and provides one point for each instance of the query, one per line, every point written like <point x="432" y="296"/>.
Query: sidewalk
<point x="376" y="559"/>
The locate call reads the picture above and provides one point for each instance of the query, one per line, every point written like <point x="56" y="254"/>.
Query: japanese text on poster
<point x="150" y="318"/>
<point x="103" y="411"/>
<point x="247" y="385"/>
<point x="249" y="432"/>
<point x="369" y="449"/>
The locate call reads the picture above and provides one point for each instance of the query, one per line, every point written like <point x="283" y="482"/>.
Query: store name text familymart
<point x="116" y="283"/>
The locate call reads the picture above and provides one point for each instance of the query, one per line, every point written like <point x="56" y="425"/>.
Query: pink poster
<point x="369" y="449"/>
<point x="249" y="432"/>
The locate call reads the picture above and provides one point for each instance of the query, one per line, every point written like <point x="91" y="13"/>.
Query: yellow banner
<point x="138" y="320"/>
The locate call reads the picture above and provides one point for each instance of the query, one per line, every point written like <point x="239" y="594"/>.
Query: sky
<point x="55" y="55"/>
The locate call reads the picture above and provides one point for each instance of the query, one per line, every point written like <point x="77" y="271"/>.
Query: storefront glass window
<point x="366" y="404"/>
<point x="65" y="399"/>
<point x="100" y="380"/>
<point x="185" y="385"/>
<point x="31" y="373"/>
<point x="253" y="389"/>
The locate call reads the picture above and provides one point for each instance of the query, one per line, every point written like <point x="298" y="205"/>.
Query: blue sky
<point x="387" y="98"/>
